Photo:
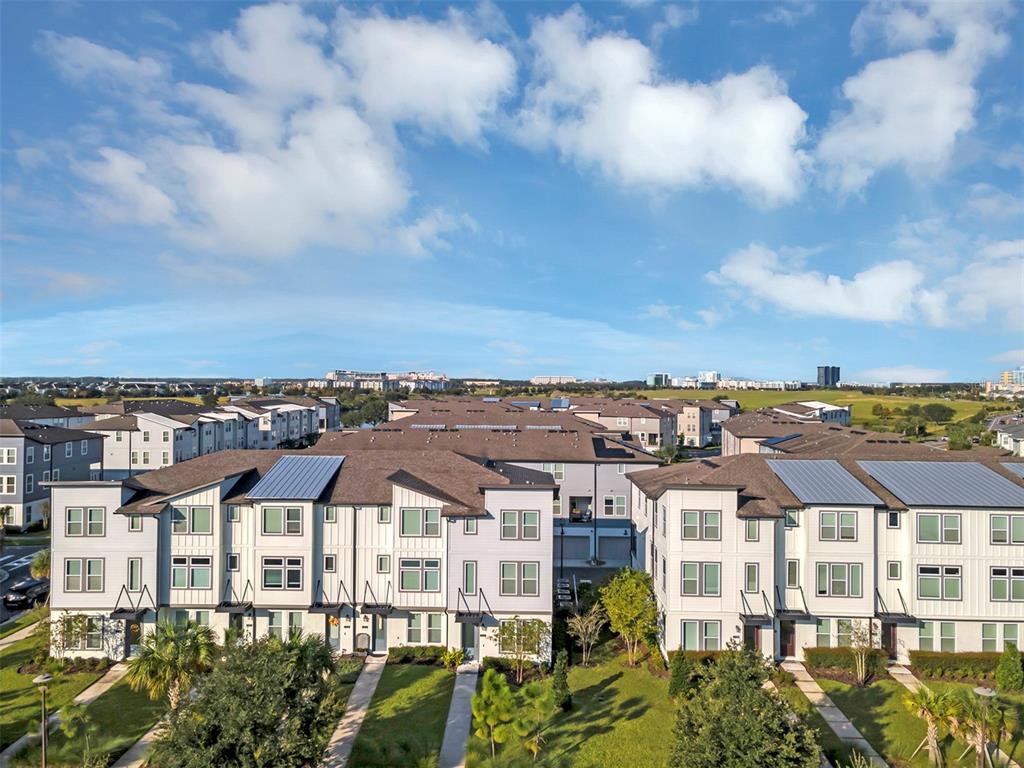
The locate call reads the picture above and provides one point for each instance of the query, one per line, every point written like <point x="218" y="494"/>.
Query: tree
<point x="862" y="650"/>
<point x="210" y="399"/>
<point x="40" y="567"/>
<point x="586" y="628"/>
<point x="523" y="641"/>
<point x="1009" y="672"/>
<point x="494" y="710"/>
<point x="169" y="660"/>
<point x="937" y="412"/>
<point x="936" y="709"/>
<point x="5" y="513"/>
<point x="680" y="675"/>
<point x="535" y="715"/>
<point x="629" y="602"/>
<point x="63" y="633"/>
<point x="560" y="682"/>
<point x="732" y="722"/>
<point x="75" y="724"/>
<point x="268" y="703"/>
<point x="976" y="722"/>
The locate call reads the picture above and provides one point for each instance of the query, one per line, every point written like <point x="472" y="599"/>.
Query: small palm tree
<point x="936" y="709"/>
<point x="976" y="723"/>
<point x="40" y="567"/>
<point x="169" y="660"/>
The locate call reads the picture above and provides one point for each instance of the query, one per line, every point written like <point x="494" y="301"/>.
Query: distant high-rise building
<point x="828" y="375"/>
<point x="708" y="377"/>
<point x="659" y="380"/>
<point x="1012" y="377"/>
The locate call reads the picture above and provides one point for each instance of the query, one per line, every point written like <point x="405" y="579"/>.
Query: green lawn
<point x="28" y="617"/>
<point x="834" y="749"/>
<point x="405" y="721"/>
<point x="122" y="716"/>
<point x="19" y="698"/>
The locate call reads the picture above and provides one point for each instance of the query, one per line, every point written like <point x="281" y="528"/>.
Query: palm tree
<point x="75" y="723"/>
<point x="936" y="709"/>
<point x="40" y="567"/>
<point x="170" y="658"/>
<point x="976" y="723"/>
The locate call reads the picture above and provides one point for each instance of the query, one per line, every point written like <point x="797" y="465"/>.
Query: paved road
<point x="16" y="560"/>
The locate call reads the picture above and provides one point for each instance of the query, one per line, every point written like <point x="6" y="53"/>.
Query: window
<point x="709" y="530"/>
<point x="844" y="633"/>
<point x="701" y="635"/>
<point x="691" y="525"/>
<point x="823" y="635"/>
<point x="712" y="635"/>
<point x="893" y="570"/>
<point x="419" y="575"/>
<point x="520" y="524"/>
<point x="201" y="520"/>
<point x="383" y="563"/>
<point x="557" y="471"/>
<point x="145" y="457"/>
<point x="30" y="484"/>
<point x="134" y="574"/>
<point x="792" y="518"/>
<point x="1010" y="634"/>
<point x="892" y="520"/>
<point x="273" y="520"/>
<point x="837" y="526"/>
<point x="933" y="528"/>
<point x="469" y="577"/>
<point x="751" y="530"/>
<point x="74" y="524"/>
<point x="94" y="575"/>
<point x="203" y="618"/>
<point x="330" y="563"/>
<point x="134" y="523"/>
<point x="96" y="522"/>
<point x="234" y="513"/>
<point x="988" y="637"/>
<point x="93" y="640"/>
<point x="275" y="627"/>
<point x="293" y="521"/>
<point x="330" y="514"/>
<point x="179" y="572"/>
<point x="1007" y="529"/>
<point x="751" y="580"/>
<point x="938" y="582"/>
<point x="9" y="484"/>
<point x="72" y="575"/>
<point x="56" y="475"/>
<point x="46" y="453"/>
<point x="294" y="624"/>
<point x="469" y="526"/>
<point x="233" y="561"/>
<point x="145" y="437"/>
<point x="620" y="469"/>
<point x="383" y="514"/>
<point x="615" y="505"/>
<point x="413" y="633"/>
<point x="621" y="421"/>
<point x="712" y="526"/>
<point x="179" y="617"/>
<point x="10" y="456"/>
<point x="84" y="448"/>
<point x="947" y="636"/>
<point x="1007" y="584"/>
<point x="30" y="454"/>
<point x="69" y="450"/>
<point x="839" y="579"/>
<point x="282" y="573"/>
<point x="190" y="572"/>
<point x="119" y="436"/>
<point x="420" y="522"/>
<point x="520" y="579"/>
<point x="792" y="574"/>
<point x="556" y="506"/>
<point x="926" y="636"/>
<point x="701" y="579"/>
<point x="135" y="457"/>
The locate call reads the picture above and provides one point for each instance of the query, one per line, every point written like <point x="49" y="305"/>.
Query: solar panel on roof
<point x="822" y="481"/>
<point x="297" y="477"/>
<point x="945" y="483"/>
<point x="1017" y="469"/>
<point x="426" y="426"/>
<point x="546" y="427"/>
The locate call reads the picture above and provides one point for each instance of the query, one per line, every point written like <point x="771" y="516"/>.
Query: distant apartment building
<point x="648" y="425"/>
<point x="427" y="381"/>
<point x="815" y="410"/>
<point x="769" y="431"/>
<point x="542" y="381"/>
<point x="828" y="375"/>
<point x="32" y="454"/>
<point x="709" y="377"/>
<point x="46" y="415"/>
<point x="698" y="422"/>
<point x="777" y="385"/>
<point x="1011" y="438"/>
<point x="659" y="380"/>
<point x="1014" y="377"/>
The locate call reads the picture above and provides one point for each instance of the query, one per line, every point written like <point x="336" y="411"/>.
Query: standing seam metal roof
<point x="822" y="482"/>
<point x="297" y="477"/>
<point x="945" y="484"/>
<point x="1017" y="469"/>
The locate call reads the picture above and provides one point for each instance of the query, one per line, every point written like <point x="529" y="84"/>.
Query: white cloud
<point x="601" y="102"/>
<point x="901" y="373"/>
<point x="673" y="16"/>
<point x="1010" y="357"/>
<point x="990" y="287"/>
<point x="789" y="13"/>
<point x="909" y="110"/>
<point x="991" y="202"/>
<point x="50" y="281"/>
<point x="127" y="195"/>
<point x="425" y="235"/>
<point x="692" y="320"/>
<point x="83" y="62"/>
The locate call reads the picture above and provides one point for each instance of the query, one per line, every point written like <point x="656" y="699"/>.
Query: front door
<point x="132" y="637"/>
<point x="469" y="641"/>
<point x="752" y="637"/>
<point x="379" y="639"/>
<point x="787" y="638"/>
<point x="333" y="632"/>
<point x="889" y="640"/>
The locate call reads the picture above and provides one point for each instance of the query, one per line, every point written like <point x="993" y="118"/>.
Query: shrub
<point x="416" y="654"/>
<point x="977" y="666"/>
<point x="560" y="682"/>
<point x="453" y="657"/>
<point x="843" y="658"/>
<point x="681" y="670"/>
<point x="1009" y="671"/>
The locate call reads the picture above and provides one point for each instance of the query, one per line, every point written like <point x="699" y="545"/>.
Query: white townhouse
<point x="370" y="549"/>
<point x="925" y="550"/>
<point x="141" y="442"/>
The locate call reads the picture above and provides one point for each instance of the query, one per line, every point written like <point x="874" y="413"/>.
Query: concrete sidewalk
<point x="21" y="634"/>
<point x="460" y="717"/>
<point x="837" y="721"/>
<point x="344" y="737"/>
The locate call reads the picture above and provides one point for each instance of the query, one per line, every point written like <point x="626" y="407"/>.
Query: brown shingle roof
<point x="41" y="433"/>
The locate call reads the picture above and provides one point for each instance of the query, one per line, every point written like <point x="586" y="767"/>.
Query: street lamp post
<point x="986" y="694"/>
<point x="41" y="681"/>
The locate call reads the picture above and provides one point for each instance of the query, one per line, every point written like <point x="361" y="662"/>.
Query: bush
<point x="452" y="658"/>
<point x="976" y="666"/>
<point x="1009" y="671"/>
<point x="681" y="680"/>
<point x="560" y="682"/>
<point x="842" y="658"/>
<point x="417" y="654"/>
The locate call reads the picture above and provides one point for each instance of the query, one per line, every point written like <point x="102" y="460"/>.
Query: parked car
<point x="27" y="593"/>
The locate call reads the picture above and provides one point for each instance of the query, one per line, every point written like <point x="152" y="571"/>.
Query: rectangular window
<point x="947" y="637"/>
<point x="413" y="633"/>
<point x="690" y="579"/>
<point x="199" y="573"/>
<point x="275" y="626"/>
<point x="434" y="628"/>
<point x="751" y="530"/>
<point x="892" y="520"/>
<point x="330" y="563"/>
<point x="93" y="640"/>
<point x="701" y="635"/>
<point x="469" y="526"/>
<point x="234" y="513"/>
<point x="419" y="575"/>
<point x="837" y="526"/>
<point x="1007" y="529"/>
<point x="691" y="635"/>
<point x="94" y="575"/>
<point x="97" y="525"/>
<point x="145" y="437"/>
<point x="203" y="618"/>
<point x="233" y="561"/>
<point x="383" y="563"/>
<point x="838" y="579"/>
<point x="10" y="456"/>
<point x="74" y="521"/>
<point x="201" y="520"/>
<point x="691" y="525"/>
<point x="69" y="450"/>
<point x="893" y="569"/>
<point x="73" y="575"/>
<point x="165" y="457"/>
<point x="9" y="484"/>
<point x="294" y="624"/>
<point x="701" y="579"/>
<point x="167" y="435"/>
<point x="792" y="518"/>
<point x="179" y="572"/>
<point x="615" y="506"/>
<point x="557" y="471"/>
<point x="30" y="454"/>
<point x="1006" y="584"/>
<point x="30" y="484"/>
<point x="823" y="635"/>
<point x="712" y="526"/>
<point x="46" y="453"/>
<point x="179" y="519"/>
<point x="469" y="577"/>
<point x="135" y="457"/>
<point x="751" y="581"/>
<point x="620" y="469"/>
<point x="273" y="520"/>
<point x="383" y="514"/>
<point x="293" y="521"/>
<point x="83" y="447"/>
<point x="134" y="574"/>
<point x="273" y="573"/>
<point x="792" y="574"/>
<point x="509" y="524"/>
<point x="926" y="636"/>
<point x="989" y="636"/>
<point x="844" y="633"/>
<point x="712" y="635"/>
<point x="293" y="573"/>
<point x="556" y="506"/>
<point x="1010" y="634"/>
<point x="134" y="523"/>
<point x="412" y="522"/>
<point x="934" y="528"/>
<point x="145" y="457"/>
<point x="330" y="514"/>
<point x="938" y="582"/>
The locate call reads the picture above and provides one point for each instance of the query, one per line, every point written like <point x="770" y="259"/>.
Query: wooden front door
<point x="889" y="640"/>
<point x="787" y="638"/>
<point x="752" y="637"/>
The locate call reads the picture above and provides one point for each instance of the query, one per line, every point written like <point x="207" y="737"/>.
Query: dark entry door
<point x="469" y="641"/>
<point x="787" y="638"/>
<point x="889" y="639"/>
<point x="133" y="638"/>
<point x="752" y="637"/>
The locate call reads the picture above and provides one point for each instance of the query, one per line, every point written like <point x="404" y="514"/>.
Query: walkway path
<point x="86" y="697"/>
<point x="906" y="678"/>
<point x="832" y="715"/>
<point x="340" y="746"/>
<point x="21" y="634"/>
<point x="460" y="717"/>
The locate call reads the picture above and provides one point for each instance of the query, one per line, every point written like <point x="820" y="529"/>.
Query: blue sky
<point x="214" y="189"/>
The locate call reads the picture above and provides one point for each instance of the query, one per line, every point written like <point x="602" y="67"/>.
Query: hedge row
<point x="697" y="657"/>
<point x="842" y="658"/>
<point x="416" y="654"/>
<point x="955" y="665"/>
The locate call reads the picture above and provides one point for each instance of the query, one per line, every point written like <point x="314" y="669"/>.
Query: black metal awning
<point x="378" y="609"/>
<point x="757" y="619"/>
<point x="235" y="608"/>
<point x="785" y="615"/>
<point x="129" y="614"/>
<point x="469" y="617"/>
<point x="328" y="608"/>
<point x="895" y="618"/>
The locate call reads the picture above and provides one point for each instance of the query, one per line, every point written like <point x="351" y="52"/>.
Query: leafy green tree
<point x="1009" y="672"/>
<point x="937" y="412"/>
<point x="936" y="709"/>
<point x="732" y="722"/>
<point x="75" y="724"/>
<point x="628" y="600"/>
<point x="538" y="704"/>
<point x="210" y="399"/>
<point x="560" y="682"/>
<point x="170" y="659"/>
<point x="494" y="710"/>
<point x="524" y="641"/>
<point x="680" y="679"/>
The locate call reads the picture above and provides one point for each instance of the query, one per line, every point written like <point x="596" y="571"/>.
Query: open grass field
<point x="88" y="402"/>
<point x="405" y="721"/>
